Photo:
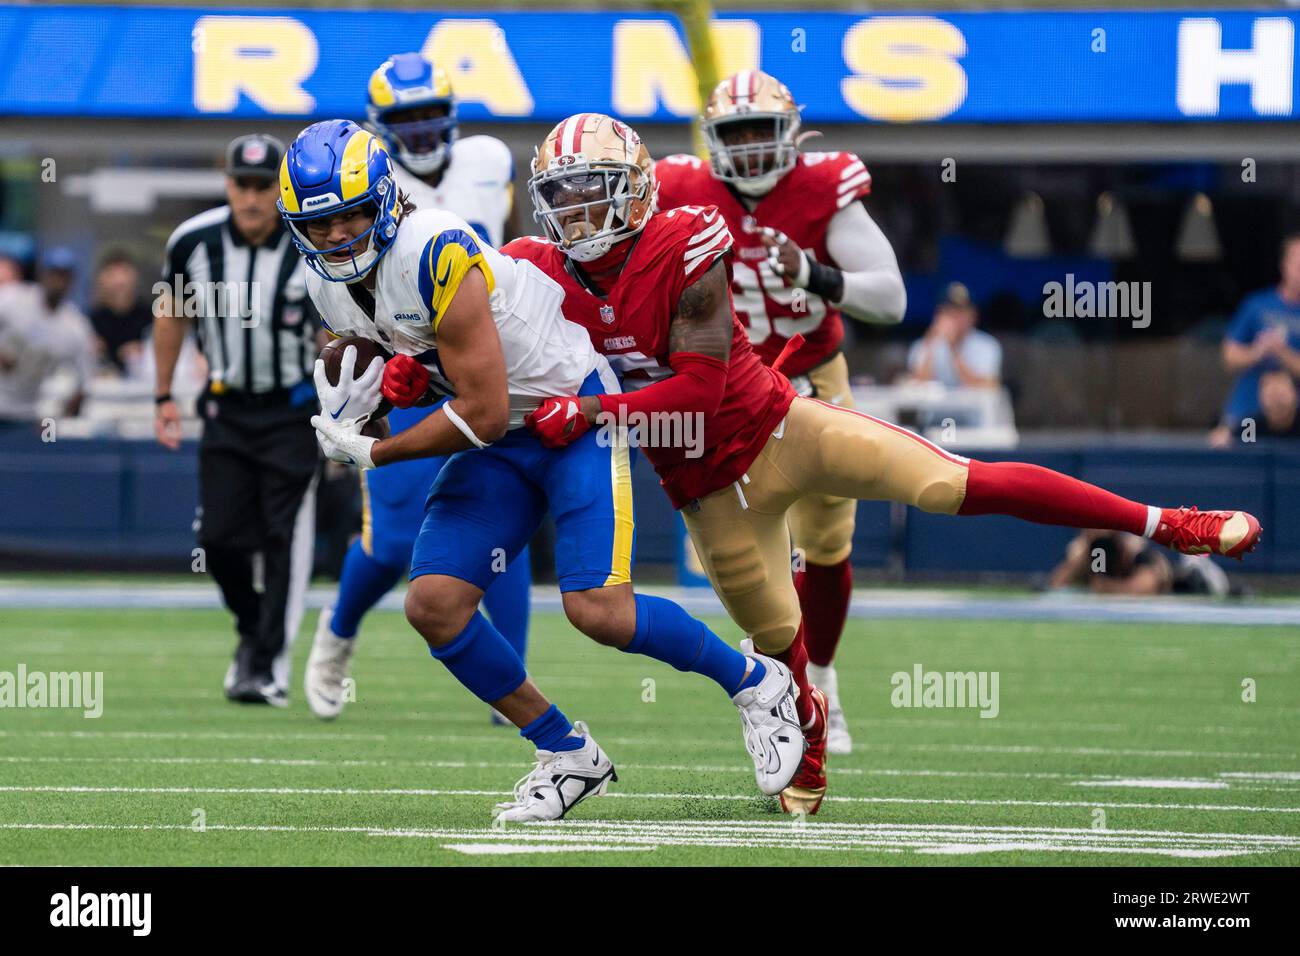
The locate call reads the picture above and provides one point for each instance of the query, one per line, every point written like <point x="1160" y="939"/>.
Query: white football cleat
<point x="838" y="740"/>
<point x="327" y="668"/>
<point x="560" y="781"/>
<point x="770" y="724"/>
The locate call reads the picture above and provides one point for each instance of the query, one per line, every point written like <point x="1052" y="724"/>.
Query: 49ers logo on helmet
<point x="626" y="133"/>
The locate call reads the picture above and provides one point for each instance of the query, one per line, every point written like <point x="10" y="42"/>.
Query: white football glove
<point x="343" y="441"/>
<point x="357" y="397"/>
<point x="799" y="280"/>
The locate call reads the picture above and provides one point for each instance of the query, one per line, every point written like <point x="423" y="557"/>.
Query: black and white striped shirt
<point x="253" y="319"/>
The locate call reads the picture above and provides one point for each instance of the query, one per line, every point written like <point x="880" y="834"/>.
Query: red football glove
<point x="405" y="381"/>
<point x="558" y="421"/>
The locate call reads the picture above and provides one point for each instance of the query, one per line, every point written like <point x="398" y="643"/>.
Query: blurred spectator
<point x="42" y="333"/>
<point x="11" y="270"/>
<point x="1279" y="412"/>
<point x="954" y="352"/>
<point x="15" y="253"/>
<point x="1264" y="335"/>
<point x="120" y="314"/>
<point x="1113" y="562"/>
<point x="1278" y="405"/>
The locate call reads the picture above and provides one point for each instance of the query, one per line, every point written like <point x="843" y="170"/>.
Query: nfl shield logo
<point x="607" y="314"/>
<point x="749" y="224"/>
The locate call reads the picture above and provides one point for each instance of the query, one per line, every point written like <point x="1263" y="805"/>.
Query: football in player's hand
<point x="332" y="356"/>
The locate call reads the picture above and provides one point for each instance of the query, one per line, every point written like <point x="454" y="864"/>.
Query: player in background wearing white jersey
<point x="488" y="332"/>
<point x="411" y="107"/>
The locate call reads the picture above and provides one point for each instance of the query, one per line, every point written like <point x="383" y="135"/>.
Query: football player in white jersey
<point x="411" y="107"/>
<point x="488" y="332"/>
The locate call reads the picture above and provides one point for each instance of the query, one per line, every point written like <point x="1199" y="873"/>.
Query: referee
<point x="241" y="282"/>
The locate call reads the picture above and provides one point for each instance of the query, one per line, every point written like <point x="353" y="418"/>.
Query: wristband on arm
<point x="824" y="280"/>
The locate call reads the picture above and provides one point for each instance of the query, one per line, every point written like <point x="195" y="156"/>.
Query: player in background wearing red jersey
<point x="806" y="250"/>
<point x="654" y="294"/>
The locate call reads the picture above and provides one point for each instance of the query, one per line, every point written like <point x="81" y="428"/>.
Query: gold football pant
<point x="821" y="526"/>
<point x="818" y="452"/>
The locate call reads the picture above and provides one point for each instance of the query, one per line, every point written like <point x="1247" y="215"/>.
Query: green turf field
<point x="1114" y="744"/>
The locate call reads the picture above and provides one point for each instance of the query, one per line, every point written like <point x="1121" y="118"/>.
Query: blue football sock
<point x="667" y="633"/>
<point x="363" y="582"/>
<point x="552" y="731"/>
<point x="481" y="659"/>
<point x="506" y="603"/>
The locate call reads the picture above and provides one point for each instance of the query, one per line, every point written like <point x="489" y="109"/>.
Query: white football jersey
<point x="477" y="185"/>
<point x="418" y="277"/>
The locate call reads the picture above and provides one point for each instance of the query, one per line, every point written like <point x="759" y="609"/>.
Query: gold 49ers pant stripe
<point x="741" y="533"/>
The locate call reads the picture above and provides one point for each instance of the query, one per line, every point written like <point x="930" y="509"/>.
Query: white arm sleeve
<point x="873" y="286"/>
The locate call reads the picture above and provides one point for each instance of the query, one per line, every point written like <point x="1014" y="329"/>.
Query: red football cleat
<point x="1229" y="533"/>
<point x="806" y="790"/>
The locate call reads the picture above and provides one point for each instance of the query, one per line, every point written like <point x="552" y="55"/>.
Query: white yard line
<point x="871" y="603"/>
<point x="1234" y="781"/>
<point x="430" y="792"/>
<point x="506" y="738"/>
<point x="573" y="836"/>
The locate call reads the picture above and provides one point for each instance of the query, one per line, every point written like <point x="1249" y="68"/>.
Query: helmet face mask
<point x="584" y="207"/>
<point x="335" y="169"/>
<point x="421" y="145"/>
<point x="349" y="260"/>
<point x="751" y="164"/>
<point x="592" y="185"/>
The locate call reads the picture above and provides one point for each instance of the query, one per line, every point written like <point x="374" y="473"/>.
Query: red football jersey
<point x="630" y="327"/>
<point x="801" y="205"/>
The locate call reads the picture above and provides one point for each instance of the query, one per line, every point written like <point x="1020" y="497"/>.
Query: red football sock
<point x="824" y="592"/>
<point x="795" y="657"/>
<point x="1047" y="497"/>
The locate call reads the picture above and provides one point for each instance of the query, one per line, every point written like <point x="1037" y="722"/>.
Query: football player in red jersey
<point x="805" y="251"/>
<point x="653" y="291"/>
